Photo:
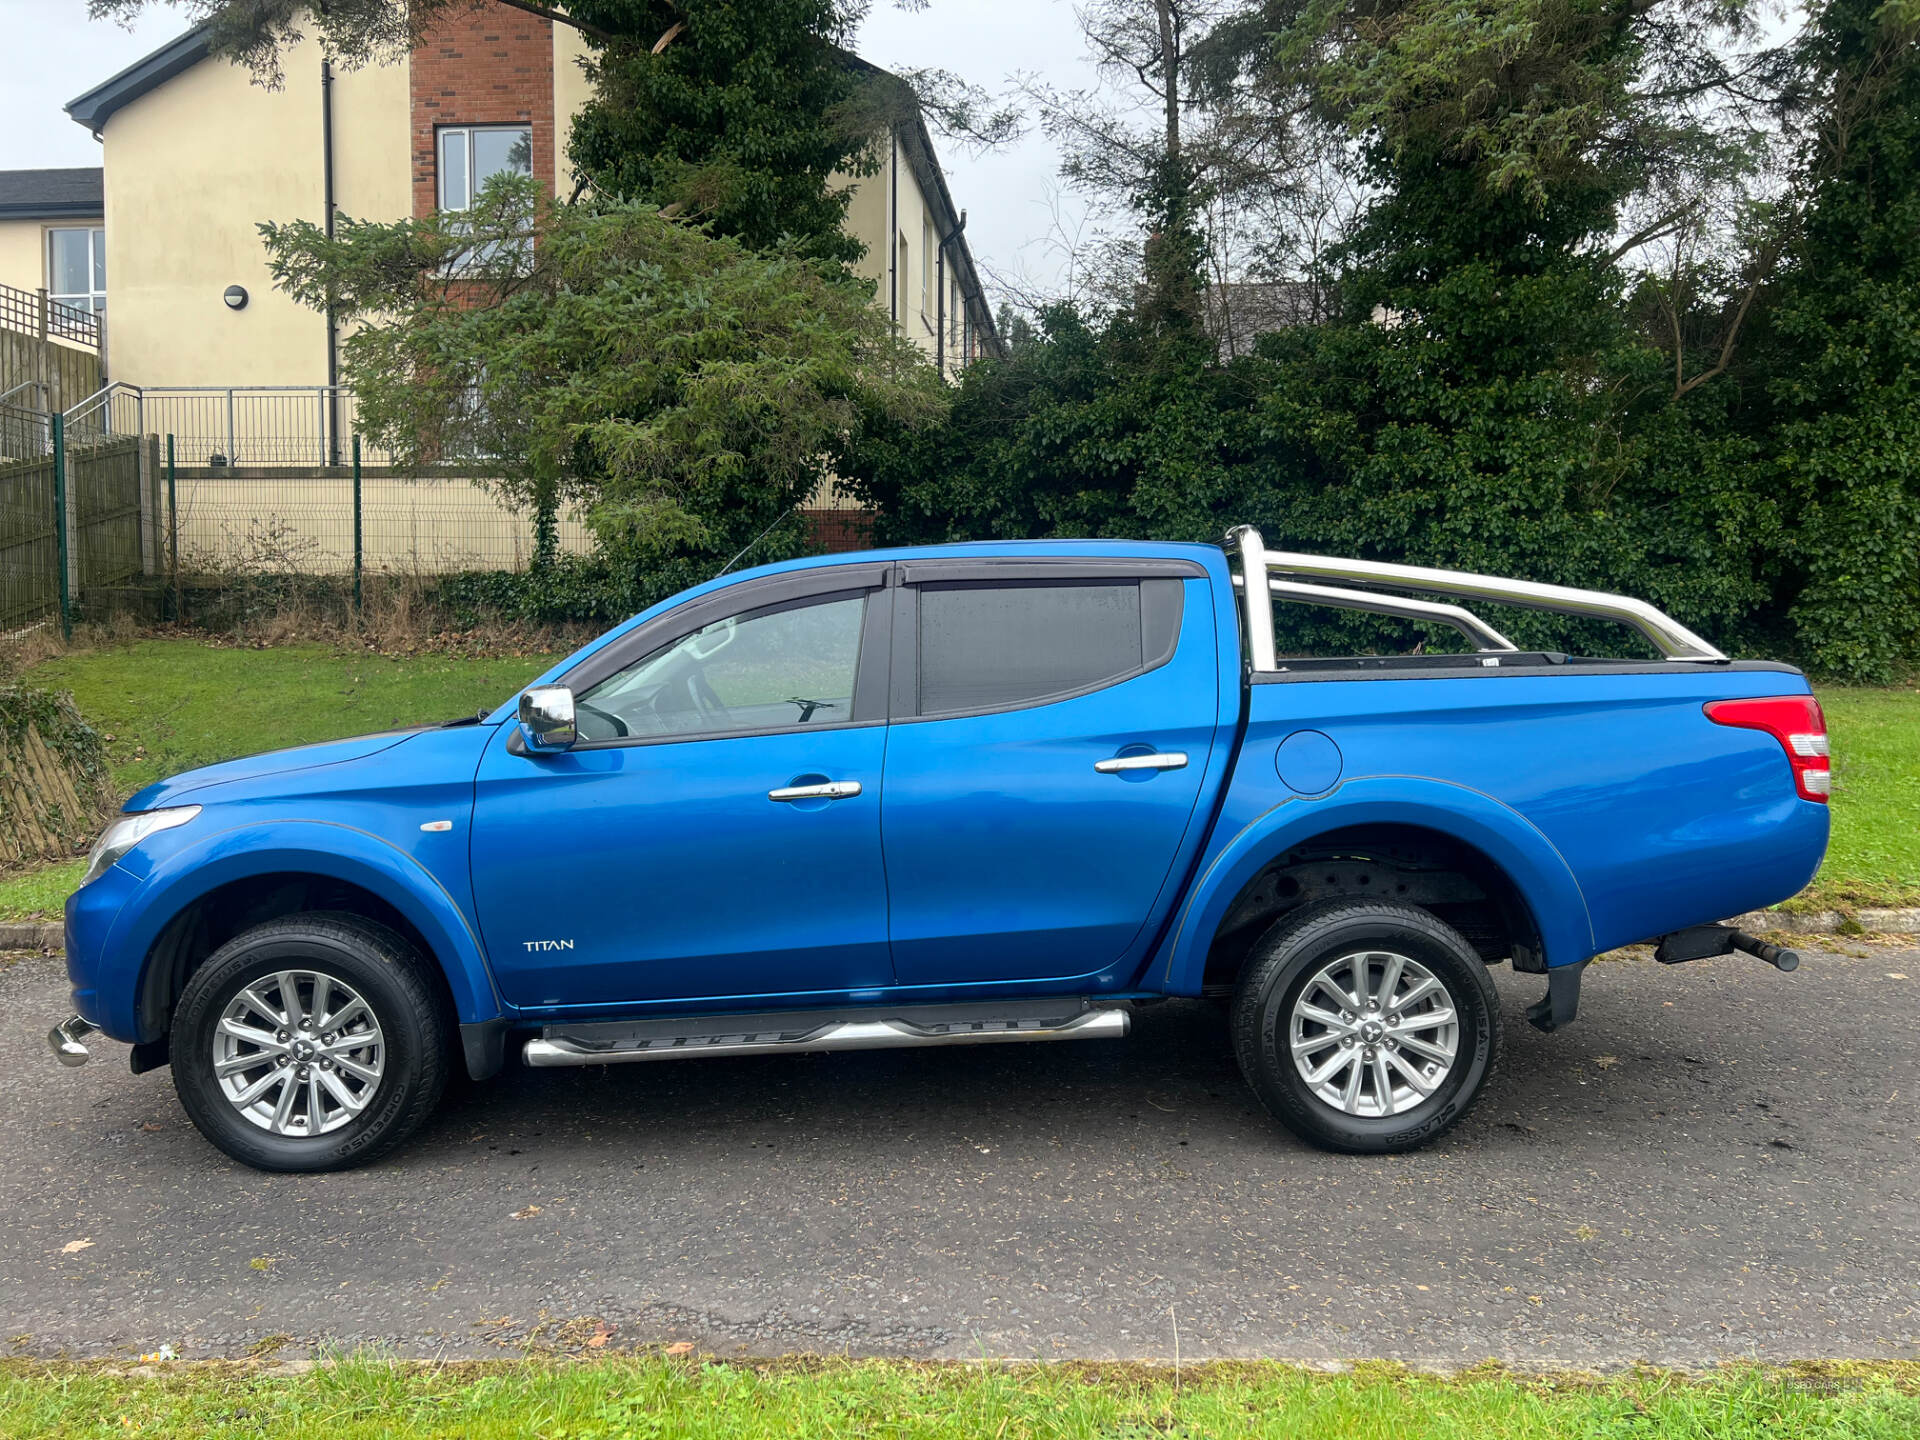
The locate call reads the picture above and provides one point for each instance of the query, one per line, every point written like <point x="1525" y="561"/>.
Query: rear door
<point x="1051" y="725"/>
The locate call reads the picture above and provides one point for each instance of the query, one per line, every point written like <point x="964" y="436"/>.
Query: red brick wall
<point x="492" y="66"/>
<point x="838" y="531"/>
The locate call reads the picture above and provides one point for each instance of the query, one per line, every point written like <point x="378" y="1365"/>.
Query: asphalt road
<point x="1716" y="1161"/>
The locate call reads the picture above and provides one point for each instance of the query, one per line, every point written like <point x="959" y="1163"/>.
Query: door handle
<point x="830" y="790"/>
<point x="1165" y="760"/>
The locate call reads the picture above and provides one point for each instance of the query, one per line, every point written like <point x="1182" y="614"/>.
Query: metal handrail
<point x="101" y="397"/>
<point x="1667" y="635"/>
<point x="39" y="385"/>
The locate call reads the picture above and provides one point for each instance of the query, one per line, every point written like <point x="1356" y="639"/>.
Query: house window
<point x="926" y="271"/>
<point x="900" y="277"/>
<point x="77" y="268"/>
<point x="471" y="155"/>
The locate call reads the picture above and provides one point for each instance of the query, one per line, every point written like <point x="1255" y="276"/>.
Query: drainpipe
<point x="333" y="324"/>
<point x="940" y="309"/>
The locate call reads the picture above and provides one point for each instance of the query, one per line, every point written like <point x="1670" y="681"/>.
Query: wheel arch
<point x="1432" y="826"/>
<point x="201" y="897"/>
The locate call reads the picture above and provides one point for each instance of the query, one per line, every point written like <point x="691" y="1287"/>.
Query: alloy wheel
<point x="1373" y="1033"/>
<point x="298" y="1053"/>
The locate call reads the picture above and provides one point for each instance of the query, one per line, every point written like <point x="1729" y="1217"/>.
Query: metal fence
<point x="233" y="426"/>
<point x="29" y="538"/>
<point x="353" y="519"/>
<point x="276" y="480"/>
<point x="179" y="502"/>
<point x="26" y="430"/>
<point x="74" y="520"/>
<point x="218" y="504"/>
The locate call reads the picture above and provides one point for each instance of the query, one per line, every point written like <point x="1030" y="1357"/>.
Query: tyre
<point x="1365" y="1027"/>
<point x="314" y="1042"/>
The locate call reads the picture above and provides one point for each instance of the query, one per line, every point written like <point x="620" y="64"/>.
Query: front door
<point x="1050" y="733"/>
<point x="715" y="833"/>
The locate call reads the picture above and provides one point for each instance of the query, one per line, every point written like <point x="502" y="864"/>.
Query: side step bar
<point x="795" y="1031"/>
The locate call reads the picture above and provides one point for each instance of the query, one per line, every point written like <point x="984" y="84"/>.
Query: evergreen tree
<point x="1836" y="377"/>
<point x="732" y="113"/>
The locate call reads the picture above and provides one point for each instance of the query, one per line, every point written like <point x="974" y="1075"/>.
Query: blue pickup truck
<point x="958" y="795"/>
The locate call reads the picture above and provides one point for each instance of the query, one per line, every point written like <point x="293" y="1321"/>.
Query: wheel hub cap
<point x="1373" y="1033"/>
<point x="298" y="1053"/>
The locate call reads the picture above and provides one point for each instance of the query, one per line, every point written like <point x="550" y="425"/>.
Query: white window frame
<point x="91" y="301"/>
<point x="466" y="134"/>
<point x="926" y="271"/>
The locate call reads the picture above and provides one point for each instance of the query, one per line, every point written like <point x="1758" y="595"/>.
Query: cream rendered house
<point x="52" y="235"/>
<point x="195" y="155"/>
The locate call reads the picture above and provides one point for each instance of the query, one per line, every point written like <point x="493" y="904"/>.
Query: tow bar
<point x="65" y="1040"/>
<point x="1704" y="941"/>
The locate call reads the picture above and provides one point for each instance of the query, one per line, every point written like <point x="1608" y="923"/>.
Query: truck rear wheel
<point x="1366" y="1027"/>
<point x="310" y="1043"/>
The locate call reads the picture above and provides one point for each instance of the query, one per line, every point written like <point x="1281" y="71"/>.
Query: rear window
<point x="988" y="646"/>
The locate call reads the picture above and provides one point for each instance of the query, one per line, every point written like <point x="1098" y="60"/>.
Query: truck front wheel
<point x="1365" y="1027"/>
<point x="313" y="1042"/>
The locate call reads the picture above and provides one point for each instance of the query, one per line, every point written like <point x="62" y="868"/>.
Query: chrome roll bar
<point x="1480" y="634"/>
<point x="1285" y="571"/>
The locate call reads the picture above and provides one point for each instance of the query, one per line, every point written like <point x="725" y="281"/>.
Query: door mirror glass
<point x="546" y="719"/>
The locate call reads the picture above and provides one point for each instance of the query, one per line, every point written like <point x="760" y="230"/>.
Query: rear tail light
<point x="1796" y="722"/>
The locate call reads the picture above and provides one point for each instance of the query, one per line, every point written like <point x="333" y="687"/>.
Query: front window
<point x="471" y="155"/>
<point x="770" y="669"/>
<point x="77" y="268"/>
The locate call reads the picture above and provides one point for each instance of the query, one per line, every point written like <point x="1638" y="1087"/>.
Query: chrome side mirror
<point x="546" y="719"/>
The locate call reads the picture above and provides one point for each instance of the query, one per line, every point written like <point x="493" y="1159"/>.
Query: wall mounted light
<point x="236" y="297"/>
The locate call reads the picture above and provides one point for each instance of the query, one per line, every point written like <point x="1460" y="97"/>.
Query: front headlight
<point x="128" y="831"/>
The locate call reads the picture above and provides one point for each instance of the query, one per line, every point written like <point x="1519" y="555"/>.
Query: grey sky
<point x="50" y="52"/>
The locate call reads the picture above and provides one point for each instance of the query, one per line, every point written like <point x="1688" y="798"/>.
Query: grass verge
<point x="41" y="893"/>
<point x="169" y="705"/>
<point x="1874" y="857"/>
<point x="616" y="1399"/>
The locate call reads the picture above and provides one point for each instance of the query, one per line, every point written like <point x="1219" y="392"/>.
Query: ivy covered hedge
<point x="1498" y="383"/>
<point x="55" y="789"/>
